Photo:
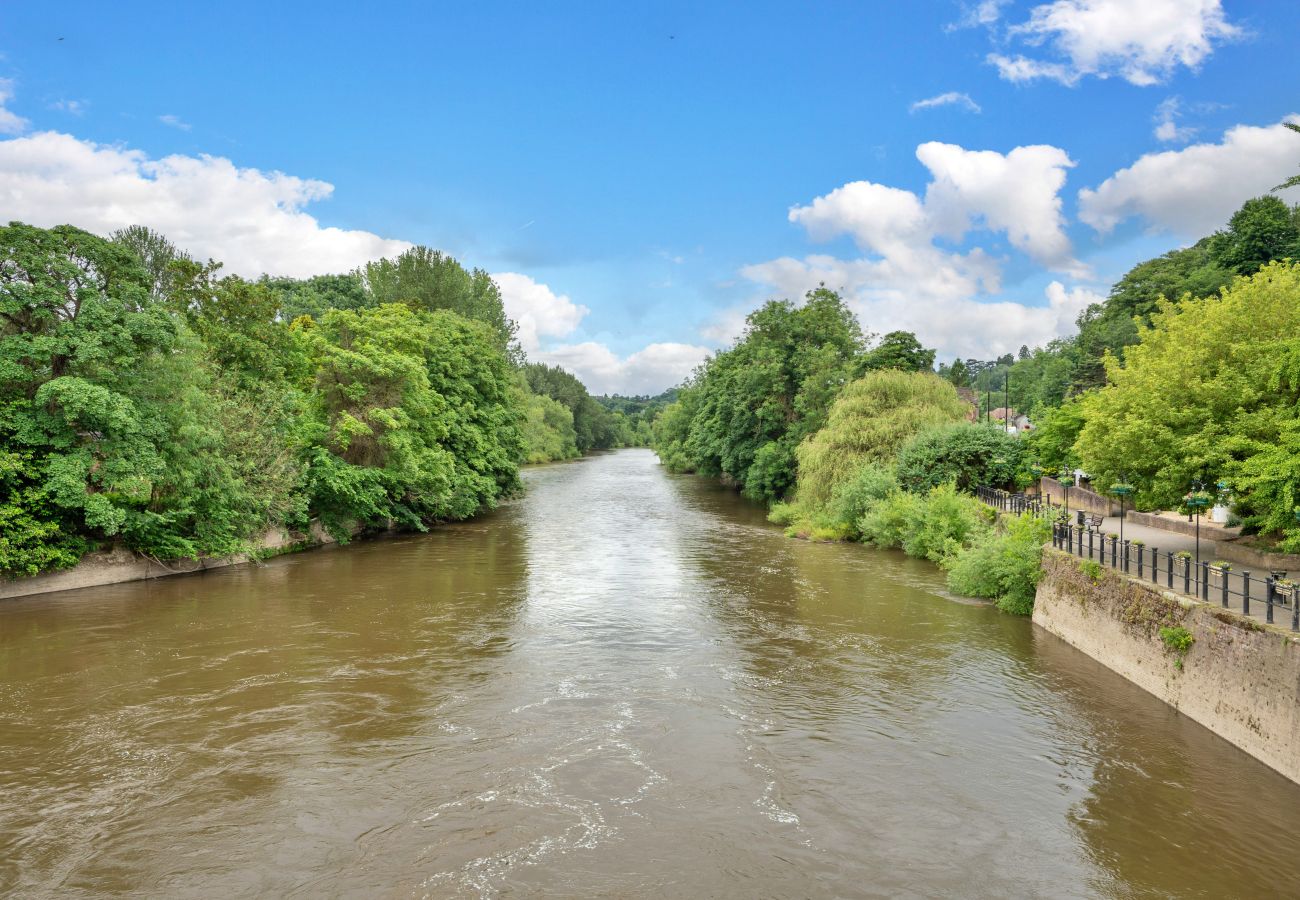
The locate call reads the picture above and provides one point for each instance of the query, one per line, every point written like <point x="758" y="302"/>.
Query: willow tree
<point x="870" y="420"/>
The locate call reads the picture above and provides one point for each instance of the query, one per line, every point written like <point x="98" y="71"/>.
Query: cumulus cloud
<point x="647" y="371"/>
<point x="253" y="221"/>
<point x="542" y="313"/>
<point x="539" y="311"/>
<point x="10" y="121"/>
<point x="951" y="98"/>
<point x="1017" y="193"/>
<point x="1193" y="191"/>
<point x="956" y="324"/>
<point x="1166" y="118"/>
<point x="1143" y="43"/>
<point x="909" y="278"/>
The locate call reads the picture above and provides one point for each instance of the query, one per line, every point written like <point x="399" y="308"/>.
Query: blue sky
<point x="632" y="167"/>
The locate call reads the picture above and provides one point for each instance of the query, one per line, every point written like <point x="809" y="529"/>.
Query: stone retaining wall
<point x="1080" y="498"/>
<point x="121" y="565"/>
<point x="1240" y="679"/>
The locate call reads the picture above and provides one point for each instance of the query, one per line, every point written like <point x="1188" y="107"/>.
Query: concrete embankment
<point x="1238" y="678"/>
<point x="121" y="565"/>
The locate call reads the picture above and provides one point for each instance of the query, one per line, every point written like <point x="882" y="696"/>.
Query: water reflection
<point x="626" y="683"/>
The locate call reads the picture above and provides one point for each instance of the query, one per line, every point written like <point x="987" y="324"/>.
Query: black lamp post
<point x="1197" y="499"/>
<point x="1123" y="489"/>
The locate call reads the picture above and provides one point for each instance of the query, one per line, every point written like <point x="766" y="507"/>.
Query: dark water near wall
<point x="626" y="684"/>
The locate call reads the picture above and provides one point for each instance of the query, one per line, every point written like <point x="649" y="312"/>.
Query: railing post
<point x="1270" y="588"/>
<point x="1090" y="554"/>
<point x="1224" y="587"/>
<point x="1126" y="557"/>
<point x="1141" y="556"/>
<point x="1295" y="610"/>
<point x="1205" y="579"/>
<point x="1245" y="594"/>
<point x="1187" y="575"/>
<point x="1169" y="569"/>
<point x="1155" y="565"/>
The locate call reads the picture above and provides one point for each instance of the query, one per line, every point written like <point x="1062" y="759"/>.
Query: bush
<point x="854" y="498"/>
<point x="969" y="455"/>
<point x="931" y="527"/>
<point x="888" y="523"/>
<point x="948" y="521"/>
<point x="1003" y="566"/>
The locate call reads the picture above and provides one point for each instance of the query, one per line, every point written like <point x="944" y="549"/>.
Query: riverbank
<point x="120" y="565"/>
<point x="1234" y="675"/>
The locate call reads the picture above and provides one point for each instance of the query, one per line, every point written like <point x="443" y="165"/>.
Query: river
<point x="624" y="684"/>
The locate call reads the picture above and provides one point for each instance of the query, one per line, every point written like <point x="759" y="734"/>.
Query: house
<point x="1019" y="422"/>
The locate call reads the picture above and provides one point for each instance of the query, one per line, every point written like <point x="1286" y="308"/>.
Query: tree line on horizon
<point x="148" y="399"/>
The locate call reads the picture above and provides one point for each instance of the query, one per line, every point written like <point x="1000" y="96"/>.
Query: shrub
<point x="888" y="523"/>
<point x="969" y="455"/>
<point x="948" y="521"/>
<point x="855" y="497"/>
<point x="1091" y="568"/>
<point x="1003" y="566"/>
<point x="1178" y="641"/>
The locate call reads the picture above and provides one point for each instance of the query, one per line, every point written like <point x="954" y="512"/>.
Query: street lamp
<point x="1197" y="499"/>
<point x="1123" y="489"/>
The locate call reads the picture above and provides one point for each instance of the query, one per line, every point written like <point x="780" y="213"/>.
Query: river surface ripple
<point x="624" y="684"/>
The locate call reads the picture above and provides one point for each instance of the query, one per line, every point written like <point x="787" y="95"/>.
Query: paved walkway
<point x="1172" y="542"/>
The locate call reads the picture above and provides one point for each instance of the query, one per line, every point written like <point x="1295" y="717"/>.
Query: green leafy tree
<point x="870" y="420"/>
<point x="755" y="402"/>
<point x="430" y="280"/>
<point x="961" y="453"/>
<point x="1264" y="229"/>
<point x="1196" y="395"/>
<point x="899" y="350"/>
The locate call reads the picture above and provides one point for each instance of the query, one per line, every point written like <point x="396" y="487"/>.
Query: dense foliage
<point x="148" y="399"/>
<point x="750" y="406"/>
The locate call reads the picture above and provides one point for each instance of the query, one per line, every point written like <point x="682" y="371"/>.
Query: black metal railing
<point x="1242" y="590"/>
<point x="1008" y="502"/>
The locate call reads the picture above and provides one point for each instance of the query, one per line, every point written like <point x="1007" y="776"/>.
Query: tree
<point x="1294" y="180"/>
<point x="318" y="294"/>
<point x="430" y="280"/>
<point x="1263" y="229"/>
<point x="962" y="453"/>
<point x="899" y="350"/>
<point x="1195" y="397"/>
<point x="870" y="420"/>
<point x="154" y="252"/>
<point x="755" y="402"/>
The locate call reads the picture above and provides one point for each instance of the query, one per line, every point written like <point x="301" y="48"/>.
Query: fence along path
<point x="1268" y="596"/>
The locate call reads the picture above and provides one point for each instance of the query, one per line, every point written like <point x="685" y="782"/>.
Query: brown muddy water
<point x="626" y="684"/>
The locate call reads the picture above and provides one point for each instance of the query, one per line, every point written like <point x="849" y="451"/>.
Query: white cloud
<point x="1193" y="191"/>
<point x="984" y="13"/>
<point x="647" y="371"/>
<point x="251" y="220"/>
<point x="72" y="107"/>
<point x="1141" y="42"/>
<point x="951" y="98"/>
<point x="174" y="122"/>
<point x="955" y="323"/>
<point x="1017" y="193"/>
<point x="10" y="122"/>
<point x="538" y="310"/>
<point x="1166" y="118"/>
<point x="909" y="280"/>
